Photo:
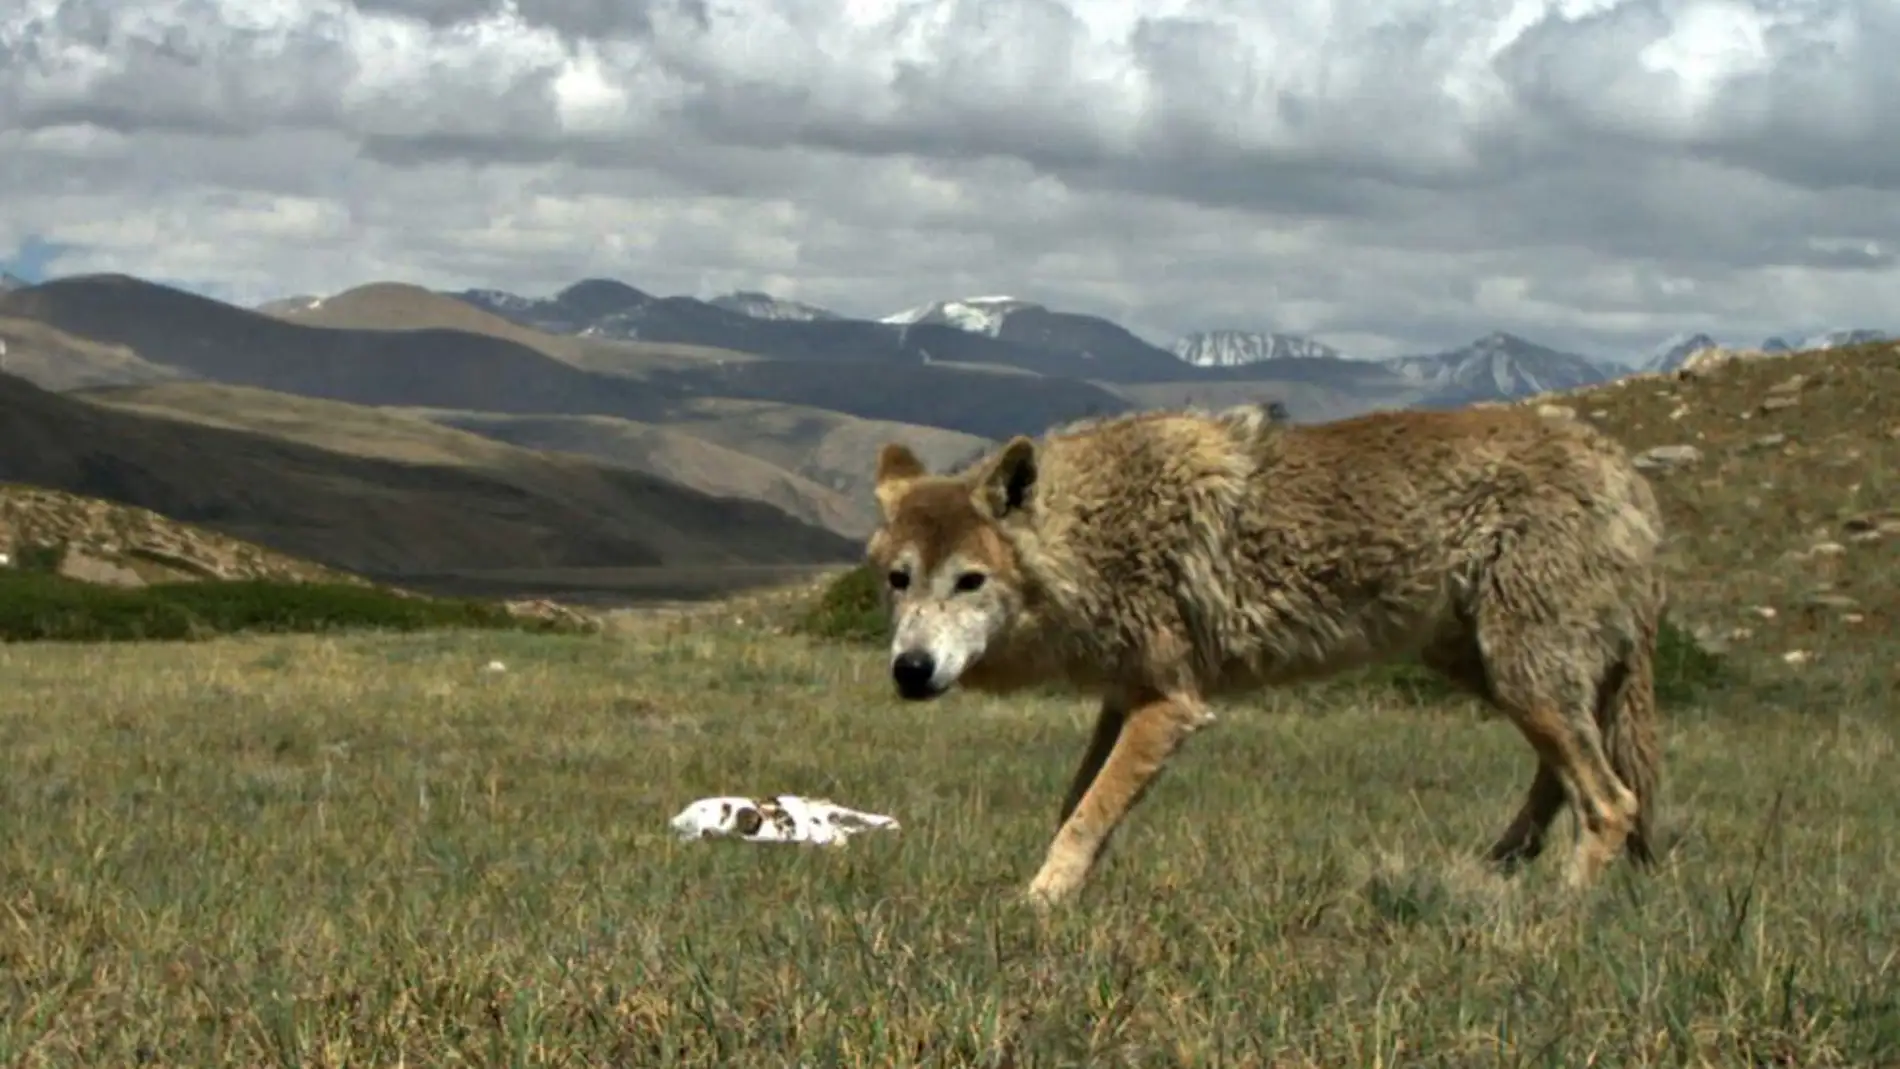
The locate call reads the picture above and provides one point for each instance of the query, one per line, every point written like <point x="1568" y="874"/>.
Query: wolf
<point x="1163" y="560"/>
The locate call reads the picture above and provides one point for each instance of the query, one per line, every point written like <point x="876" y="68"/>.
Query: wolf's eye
<point x="899" y="580"/>
<point x="969" y="581"/>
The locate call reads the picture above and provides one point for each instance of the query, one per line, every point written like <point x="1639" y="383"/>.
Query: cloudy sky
<point x="1390" y="176"/>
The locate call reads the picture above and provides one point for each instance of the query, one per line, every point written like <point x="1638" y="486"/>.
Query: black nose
<point x="912" y="670"/>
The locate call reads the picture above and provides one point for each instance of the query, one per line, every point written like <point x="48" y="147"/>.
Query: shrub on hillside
<point x="1685" y="669"/>
<point x="38" y="607"/>
<point x="38" y="558"/>
<point x="851" y="609"/>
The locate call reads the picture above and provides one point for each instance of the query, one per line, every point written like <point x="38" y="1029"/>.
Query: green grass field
<point x="371" y="851"/>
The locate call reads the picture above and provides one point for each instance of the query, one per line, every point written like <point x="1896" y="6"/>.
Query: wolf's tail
<point x="1627" y="717"/>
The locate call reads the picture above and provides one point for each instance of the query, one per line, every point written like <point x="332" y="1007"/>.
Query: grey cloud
<point x="202" y="75"/>
<point x="989" y="90"/>
<point x="194" y="75"/>
<point x="972" y="101"/>
<point x="438" y="13"/>
<point x="1820" y="116"/>
<point x="572" y="18"/>
<point x="1380" y="209"/>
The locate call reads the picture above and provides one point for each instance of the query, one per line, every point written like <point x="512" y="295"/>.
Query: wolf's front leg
<point x="1108" y="728"/>
<point x="1153" y="728"/>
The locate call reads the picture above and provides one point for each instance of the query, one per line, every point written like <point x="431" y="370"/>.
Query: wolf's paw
<point x="1048" y="890"/>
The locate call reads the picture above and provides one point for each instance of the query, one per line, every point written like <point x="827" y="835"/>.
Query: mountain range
<point x="1013" y="332"/>
<point x="1670" y="355"/>
<point x="653" y="430"/>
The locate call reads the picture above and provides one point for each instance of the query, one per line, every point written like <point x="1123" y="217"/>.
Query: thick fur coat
<point x="1163" y="559"/>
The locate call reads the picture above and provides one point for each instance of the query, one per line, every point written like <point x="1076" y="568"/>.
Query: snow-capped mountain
<point x="1834" y="339"/>
<point x="978" y="315"/>
<point x="1669" y="355"/>
<point x="498" y="301"/>
<point x="1498" y="366"/>
<point x="10" y="282"/>
<point x="1827" y="339"/>
<point x="1070" y="343"/>
<point x="765" y="306"/>
<point x="1238" y="348"/>
<point x="592" y="306"/>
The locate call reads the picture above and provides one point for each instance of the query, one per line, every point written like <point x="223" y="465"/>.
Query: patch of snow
<point x="765" y="306"/>
<point x="1238" y="348"/>
<point x="978" y="315"/>
<point x="1499" y="365"/>
<point x="503" y="300"/>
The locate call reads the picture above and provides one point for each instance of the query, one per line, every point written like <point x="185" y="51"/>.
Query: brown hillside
<point x="813" y="463"/>
<point x="1784" y="509"/>
<point x="423" y="366"/>
<point x="671" y="454"/>
<point x="830" y="448"/>
<point x="825" y="464"/>
<point x="401" y="306"/>
<point x="152" y="546"/>
<point x="213" y="340"/>
<point x="56" y="360"/>
<point x="918" y="401"/>
<point x="335" y="426"/>
<point x="377" y="516"/>
<point x="482" y="440"/>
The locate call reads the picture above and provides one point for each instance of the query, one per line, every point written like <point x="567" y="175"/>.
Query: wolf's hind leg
<point x="1543" y="679"/>
<point x="1458" y="658"/>
<point x="1153" y="729"/>
<point x="1523" y="841"/>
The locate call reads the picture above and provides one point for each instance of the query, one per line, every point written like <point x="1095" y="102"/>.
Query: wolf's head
<point x="948" y="565"/>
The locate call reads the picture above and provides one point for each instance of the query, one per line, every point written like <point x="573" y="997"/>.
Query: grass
<point x="356" y="850"/>
<point x="40" y="607"/>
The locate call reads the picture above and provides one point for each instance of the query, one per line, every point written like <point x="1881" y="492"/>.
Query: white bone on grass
<point x="785" y="818"/>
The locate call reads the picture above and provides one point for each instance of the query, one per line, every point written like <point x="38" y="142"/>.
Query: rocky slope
<point x="1772" y="469"/>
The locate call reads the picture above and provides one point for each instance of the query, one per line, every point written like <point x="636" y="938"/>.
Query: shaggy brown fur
<point x="1165" y="559"/>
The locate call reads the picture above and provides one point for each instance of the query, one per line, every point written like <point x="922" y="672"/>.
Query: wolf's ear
<point x="897" y="466"/>
<point x="1006" y="486"/>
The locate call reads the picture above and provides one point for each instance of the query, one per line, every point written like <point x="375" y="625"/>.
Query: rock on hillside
<point x="1670" y="354"/>
<point x="1772" y="470"/>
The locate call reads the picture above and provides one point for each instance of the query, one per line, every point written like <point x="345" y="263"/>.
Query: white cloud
<point x="1594" y="173"/>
